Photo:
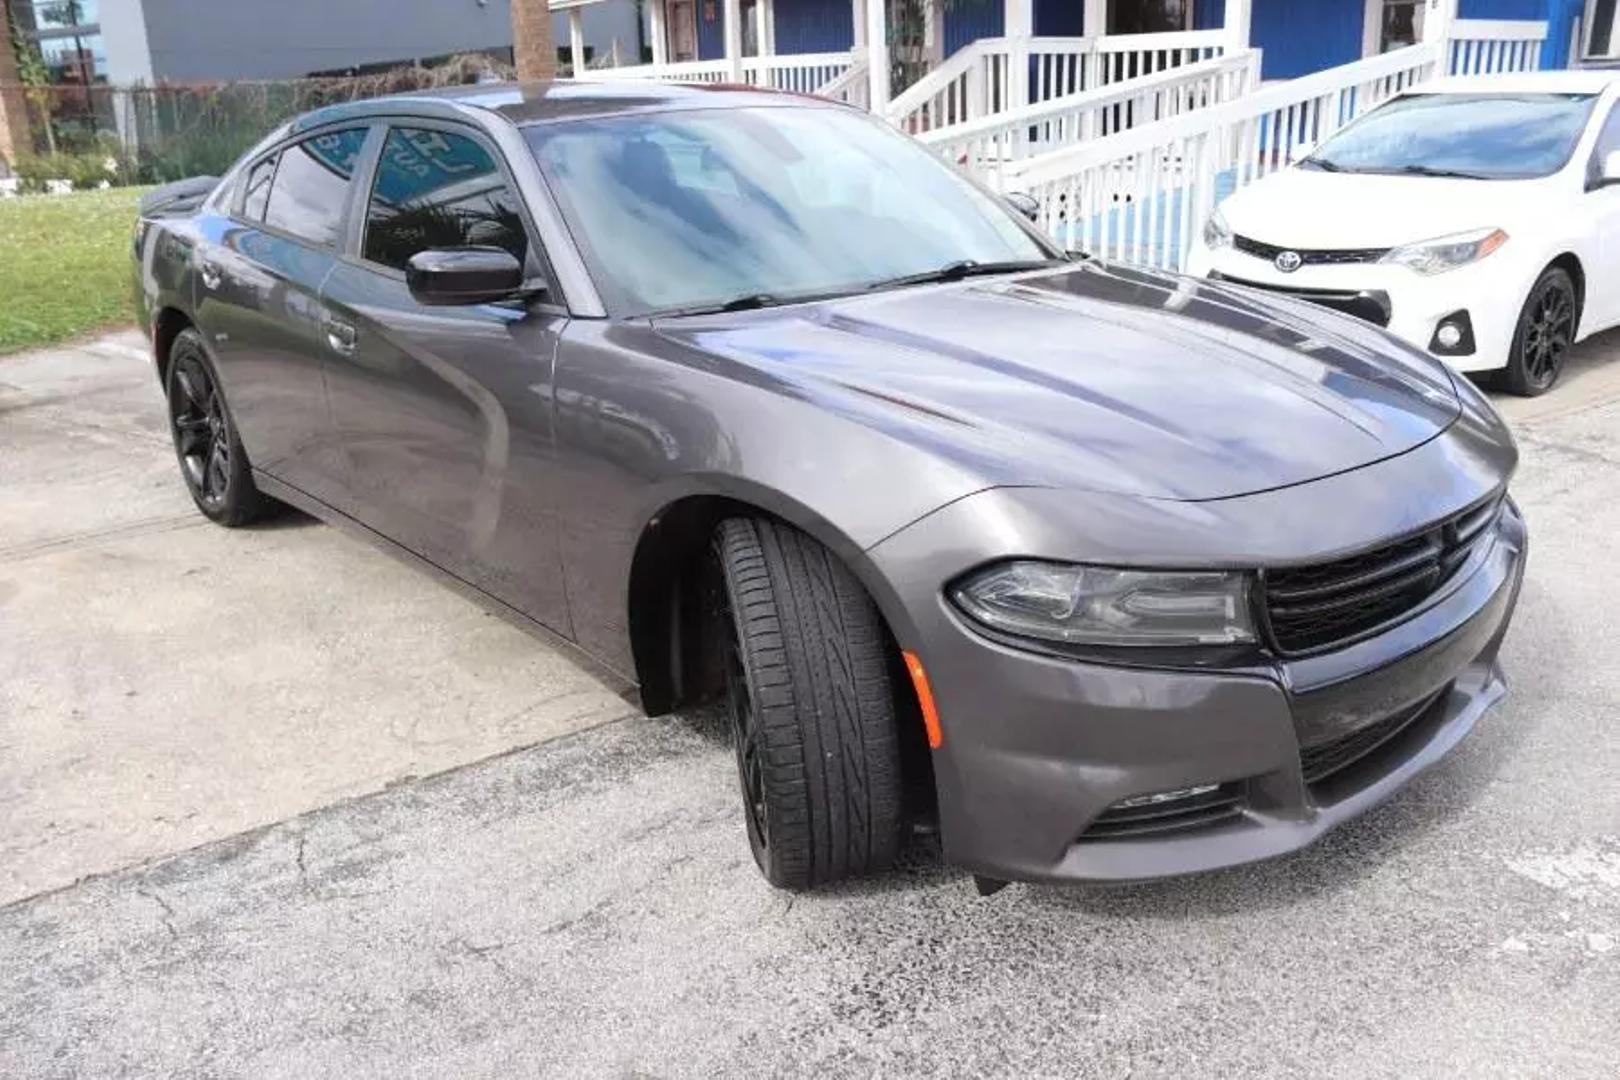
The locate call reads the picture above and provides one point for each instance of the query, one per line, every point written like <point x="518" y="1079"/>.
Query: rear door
<point x="260" y="271"/>
<point x="445" y="413"/>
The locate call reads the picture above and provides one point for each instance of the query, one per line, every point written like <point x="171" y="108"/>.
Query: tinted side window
<point x="436" y="189"/>
<point x="257" y="190"/>
<point x="311" y="184"/>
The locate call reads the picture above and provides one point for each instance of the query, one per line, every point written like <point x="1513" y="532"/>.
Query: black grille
<point x="1371" y="305"/>
<point x="1170" y="816"/>
<point x="1309" y="608"/>
<point x="1330" y="758"/>
<point x="1309" y="257"/>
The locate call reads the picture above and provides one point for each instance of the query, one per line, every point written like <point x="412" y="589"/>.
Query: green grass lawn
<point x="64" y="265"/>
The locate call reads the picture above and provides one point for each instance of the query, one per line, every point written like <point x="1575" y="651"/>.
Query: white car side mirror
<point x="1611" y="168"/>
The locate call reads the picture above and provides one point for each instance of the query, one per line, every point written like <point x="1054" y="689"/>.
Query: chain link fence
<point x="154" y="134"/>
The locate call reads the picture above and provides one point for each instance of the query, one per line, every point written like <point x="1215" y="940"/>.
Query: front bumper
<point x="1038" y="749"/>
<point x="1491" y="291"/>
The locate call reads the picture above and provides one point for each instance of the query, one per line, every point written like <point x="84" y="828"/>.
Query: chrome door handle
<point x="211" y="275"/>
<point x="341" y="336"/>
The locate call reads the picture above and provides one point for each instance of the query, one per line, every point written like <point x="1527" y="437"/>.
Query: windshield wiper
<point x="962" y="268"/>
<point x="750" y="302"/>
<point x="1430" y="170"/>
<point x="1321" y="163"/>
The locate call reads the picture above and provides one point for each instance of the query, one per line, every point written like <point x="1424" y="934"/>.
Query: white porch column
<point x="857" y="10"/>
<point x="733" y="40"/>
<point x="657" y="24"/>
<point x="576" y="41"/>
<point x="1094" y="25"/>
<point x="1018" y="25"/>
<point x="877" y="54"/>
<point x="1438" y="15"/>
<point x="767" y="28"/>
<point x="1238" y="22"/>
<point x="933" y="32"/>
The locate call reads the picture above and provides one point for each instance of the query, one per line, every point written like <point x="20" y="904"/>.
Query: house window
<point x="66" y="36"/>
<point x="1148" y="16"/>
<point x="1392" y="24"/>
<point x="1601" y="42"/>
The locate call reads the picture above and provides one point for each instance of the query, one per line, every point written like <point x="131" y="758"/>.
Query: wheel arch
<point x="1570" y="262"/>
<point x="166" y="326"/>
<point x="663" y="593"/>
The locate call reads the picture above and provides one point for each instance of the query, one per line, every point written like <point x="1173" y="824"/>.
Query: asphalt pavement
<point x="275" y="805"/>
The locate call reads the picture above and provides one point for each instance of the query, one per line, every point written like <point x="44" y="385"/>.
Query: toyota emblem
<point x="1288" y="261"/>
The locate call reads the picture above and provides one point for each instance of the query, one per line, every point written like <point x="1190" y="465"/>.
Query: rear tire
<point x="212" y="461"/>
<point x="812" y="708"/>
<point x="1542" y="338"/>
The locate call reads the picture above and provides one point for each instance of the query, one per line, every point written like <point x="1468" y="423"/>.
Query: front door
<point x="683" y="39"/>
<point x="445" y="413"/>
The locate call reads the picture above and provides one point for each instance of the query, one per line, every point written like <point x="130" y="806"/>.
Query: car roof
<point x="526" y="103"/>
<point x="1524" y="82"/>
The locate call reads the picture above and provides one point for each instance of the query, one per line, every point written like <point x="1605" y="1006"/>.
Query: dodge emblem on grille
<point x="1288" y="261"/>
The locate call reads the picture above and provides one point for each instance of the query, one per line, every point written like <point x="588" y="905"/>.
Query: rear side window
<point x="311" y="185"/>
<point x="437" y="189"/>
<point x="257" y="191"/>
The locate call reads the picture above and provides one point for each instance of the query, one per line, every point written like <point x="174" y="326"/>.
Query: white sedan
<point x="1478" y="219"/>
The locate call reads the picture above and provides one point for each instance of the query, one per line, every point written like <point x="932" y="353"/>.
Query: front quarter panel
<point x="643" y="422"/>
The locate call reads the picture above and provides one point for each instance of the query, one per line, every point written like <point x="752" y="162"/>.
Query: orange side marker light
<point x="925" y="698"/>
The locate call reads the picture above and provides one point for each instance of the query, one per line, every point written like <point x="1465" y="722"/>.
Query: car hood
<point x="1098" y="378"/>
<point x="1308" y="208"/>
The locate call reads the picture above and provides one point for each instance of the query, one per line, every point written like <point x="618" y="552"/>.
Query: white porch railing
<point x="1142" y="194"/>
<point x="1488" y="46"/>
<point x="993" y="75"/>
<point x="988" y="145"/>
<point x="804" y="73"/>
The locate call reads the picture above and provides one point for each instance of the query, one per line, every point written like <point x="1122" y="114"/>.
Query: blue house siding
<point x="814" y="26"/>
<point x="711" y="28"/>
<point x="971" y="21"/>
<point x="1059" y="18"/>
<point x="1296" y="39"/>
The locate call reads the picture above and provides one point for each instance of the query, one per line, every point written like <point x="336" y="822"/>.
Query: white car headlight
<point x="1446" y="252"/>
<point x="1217" y="233"/>
<point x="1096" y="605"/>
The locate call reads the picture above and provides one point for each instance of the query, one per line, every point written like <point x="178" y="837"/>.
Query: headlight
<point x="1217" y="233"/>
<point x="1447" y="252"/>
<point x="1095" y="605"/>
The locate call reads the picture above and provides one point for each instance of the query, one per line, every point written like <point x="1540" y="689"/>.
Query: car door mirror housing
<point x="464" y="275"/>
<point x="1025" y="204"/>
<point x="1611" y="168"/>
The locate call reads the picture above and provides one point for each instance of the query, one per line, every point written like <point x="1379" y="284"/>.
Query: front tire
<point x="1544" y="333"/>
<point x="811" y="704"/>
<point x="212" y="461"/>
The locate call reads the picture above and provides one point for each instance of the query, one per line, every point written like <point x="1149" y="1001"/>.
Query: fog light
<point x="1165" y="796"/>
<point x="1453" y="335"/>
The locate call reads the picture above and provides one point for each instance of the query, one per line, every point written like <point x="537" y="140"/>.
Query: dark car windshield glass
<point x="687" y="209"/>
<point x="1488" y="136"/>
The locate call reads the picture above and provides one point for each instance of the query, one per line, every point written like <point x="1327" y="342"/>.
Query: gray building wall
<point x="219" y="40"/>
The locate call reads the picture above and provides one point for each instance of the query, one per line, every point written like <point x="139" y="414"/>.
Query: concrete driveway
<point x="276" y="805"/>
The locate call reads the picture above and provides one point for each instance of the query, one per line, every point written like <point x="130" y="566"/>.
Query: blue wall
<point x="970" y="20"/>
<point x="1059" y="18"/>
<point x="1297" y="39"/>
<point x="813" y="26"/>
<point x="711" y="28"/>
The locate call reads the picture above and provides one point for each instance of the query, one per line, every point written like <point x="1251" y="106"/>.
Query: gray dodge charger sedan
<point x="1109" y="573"/>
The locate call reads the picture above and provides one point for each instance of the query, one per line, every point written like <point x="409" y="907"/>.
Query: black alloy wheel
<point x="212" y="460"/>
<point x="1544" y="335"/>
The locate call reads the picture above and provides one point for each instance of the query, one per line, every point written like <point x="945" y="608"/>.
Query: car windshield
<point x="1479" y="136"/>
<point x="683" y="211"/>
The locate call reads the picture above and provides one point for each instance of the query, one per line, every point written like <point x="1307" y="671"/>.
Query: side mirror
<point x="1611" y="168"/>
<point x="464" y="275"/>
<point x="1025" y="203"/>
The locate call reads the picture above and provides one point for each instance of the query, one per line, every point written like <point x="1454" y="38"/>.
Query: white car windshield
<point x="1477" y="136"/>
<point x="682" y="211"/>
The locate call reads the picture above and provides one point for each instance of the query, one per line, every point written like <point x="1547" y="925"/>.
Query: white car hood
<point x="1308" y="208"/>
